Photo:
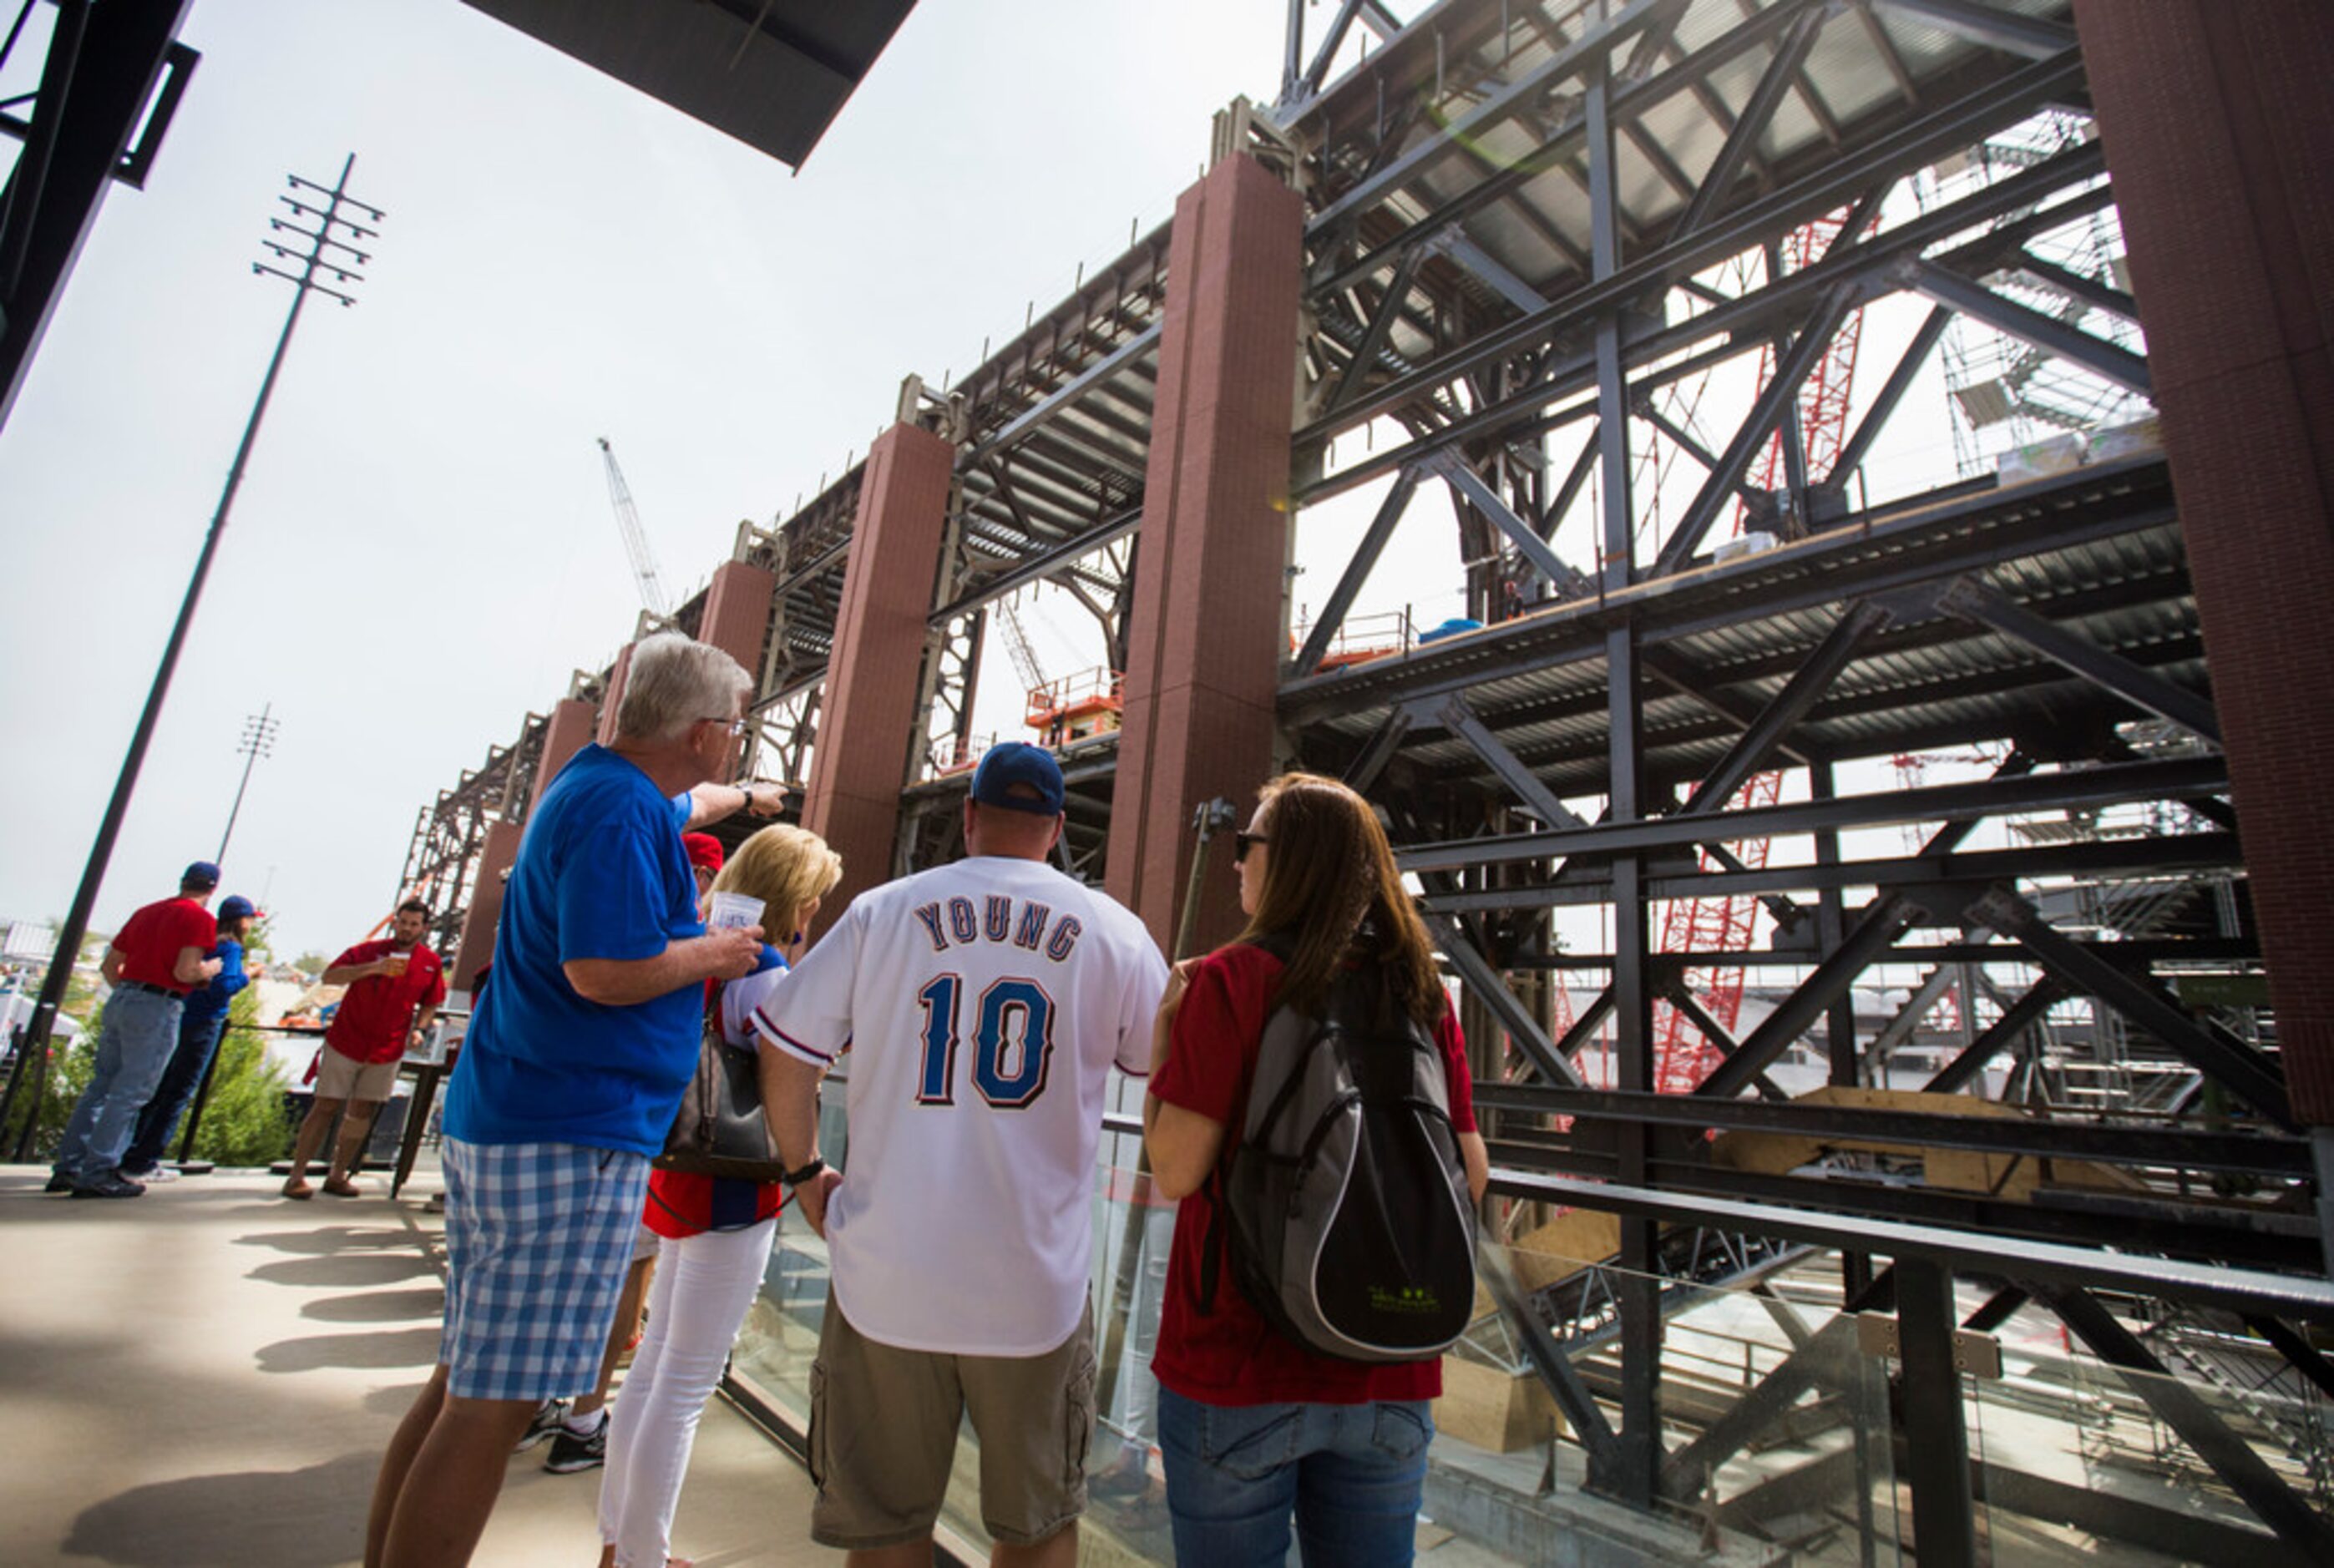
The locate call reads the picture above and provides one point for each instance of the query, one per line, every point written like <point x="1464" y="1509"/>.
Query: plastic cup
<point x="396" y="962"/>
<point x="730" y="909"/>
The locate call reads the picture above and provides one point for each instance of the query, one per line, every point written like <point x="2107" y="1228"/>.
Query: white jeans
<point x="704" y="1283"/>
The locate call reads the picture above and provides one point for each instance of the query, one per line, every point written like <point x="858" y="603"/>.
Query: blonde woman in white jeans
<point x="717" y="1237"/>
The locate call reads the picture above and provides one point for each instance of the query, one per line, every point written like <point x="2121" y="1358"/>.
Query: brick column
<point x="860" y="764"/>
<point x="1206" y="637"/>
<point x="2219" y="131"/>
<point x="478" y="944"/>
<point x="569" y="731"/>
<point x="604" y="730"/>
<point x="736" y="619"/>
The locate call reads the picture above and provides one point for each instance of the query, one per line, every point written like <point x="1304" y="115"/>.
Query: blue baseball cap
<point x="235" y="907"/>
<point x="201" y="874"/>
<point x="1011" y="764"/>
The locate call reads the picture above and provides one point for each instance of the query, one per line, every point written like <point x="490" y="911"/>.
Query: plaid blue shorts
<point x="537" y="1239"/>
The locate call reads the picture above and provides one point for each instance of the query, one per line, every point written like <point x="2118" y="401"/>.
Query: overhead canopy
<point x="773" y="74"/>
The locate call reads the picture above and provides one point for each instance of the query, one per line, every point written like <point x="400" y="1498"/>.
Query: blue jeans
<point x="1352" y="1475"/>
<point x="134" y="1043"/>
<point x="198" y="1037"/>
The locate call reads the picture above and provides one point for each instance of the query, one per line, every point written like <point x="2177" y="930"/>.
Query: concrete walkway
<point x="206" y="1377"/>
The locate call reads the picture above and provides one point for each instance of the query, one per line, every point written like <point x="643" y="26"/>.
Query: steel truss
<point x="442" y="866"/>
<point x="1522" y="218"/>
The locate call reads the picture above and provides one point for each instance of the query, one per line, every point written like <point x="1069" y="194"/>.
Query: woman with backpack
<point x="1313" y="1059"/>
<point x="718" y="1233"/>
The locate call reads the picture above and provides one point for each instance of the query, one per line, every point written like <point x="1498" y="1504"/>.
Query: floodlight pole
<point x="258" y="741"/>
<point x="334" y="232"/>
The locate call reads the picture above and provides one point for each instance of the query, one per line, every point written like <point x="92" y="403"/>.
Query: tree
<point x="245" y="1122"/>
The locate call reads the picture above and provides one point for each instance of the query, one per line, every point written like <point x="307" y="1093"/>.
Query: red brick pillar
<point x="1206" y="637"/>
<point x="569" y="731"/>
<point x="478" y="943"/>
<point x="606" y="732"/>
<point x="736" y="621"/>
<point x="2219" y="129"/>
<point x="860" y="764"/>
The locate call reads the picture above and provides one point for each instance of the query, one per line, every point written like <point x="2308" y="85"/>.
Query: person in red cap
<point x="394" y="987"/>
<point x="704" y="861"/>
<point x="202" y="1022"/>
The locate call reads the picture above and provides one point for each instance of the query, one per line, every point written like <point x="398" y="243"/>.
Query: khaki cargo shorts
<point x="339" y="1078"/>
<point x="884" y="1426"/>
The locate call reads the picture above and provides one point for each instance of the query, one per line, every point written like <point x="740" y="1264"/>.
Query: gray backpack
<point x="1344" y="1209"/>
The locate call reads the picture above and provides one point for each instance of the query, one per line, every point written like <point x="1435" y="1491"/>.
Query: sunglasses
<point x="1243" y="842"/>
<point x="734" y="725"/>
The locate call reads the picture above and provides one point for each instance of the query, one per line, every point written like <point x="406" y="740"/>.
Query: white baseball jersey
<point x="983" y="1005"/>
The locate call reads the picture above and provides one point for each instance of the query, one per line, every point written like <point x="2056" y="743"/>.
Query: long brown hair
<point x="1331" y="895"/>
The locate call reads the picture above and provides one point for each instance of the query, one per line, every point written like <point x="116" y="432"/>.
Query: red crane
<point x="1682" y="1058"/>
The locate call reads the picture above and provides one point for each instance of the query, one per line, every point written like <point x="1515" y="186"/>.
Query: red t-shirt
<point x="1228" y="1354"/>
<point x="152" y="938"/>
<point x="377" y="1011"/>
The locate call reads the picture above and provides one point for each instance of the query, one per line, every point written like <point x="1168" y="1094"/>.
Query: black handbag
<point x="719" y="1130"/>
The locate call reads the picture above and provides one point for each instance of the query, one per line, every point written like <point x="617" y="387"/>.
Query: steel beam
<point x="2108" y="360"/>
<point x="1889" y="916"/>
<point x="2232" y="1458"/>
<point x="1774" y="83"/>
<point x="1999" y="1036"/>
<point x="1527" y="539"/>
<point x="1974" y="600"/>
<point x="1454" y="714"/>
<point x="2109" y="785"/>
<point x="1773" y="726"/>
<point x="1475" y="971"/>
<point x="1937" y="1464"/>
<point x="1892" y="392"/>
<point x="2252" y="1076"/>
<point x="2099" y="296"/>
<point x="1381" y="324"/>
<point x="2032" y="36"/>
<point x="1357" y="572"/>
<point x="1779" y="396"/>
<point x="1380" y="750"/>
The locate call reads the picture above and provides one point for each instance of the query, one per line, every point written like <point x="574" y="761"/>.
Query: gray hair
<point x="674" y="682"/>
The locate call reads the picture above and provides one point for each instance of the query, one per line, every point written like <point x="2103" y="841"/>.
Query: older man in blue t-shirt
<point x="568" y="1082"/>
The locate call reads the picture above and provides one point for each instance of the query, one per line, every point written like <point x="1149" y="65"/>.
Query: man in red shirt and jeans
<point x="156" y="959"/>
<point x="394" y="987"/>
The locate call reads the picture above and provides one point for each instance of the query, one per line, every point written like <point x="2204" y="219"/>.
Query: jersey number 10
<point x="1013" y="1043"/>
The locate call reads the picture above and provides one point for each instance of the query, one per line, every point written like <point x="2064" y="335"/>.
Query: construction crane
<point x="636" y="541"/>
<point x="1682" y="1058"/>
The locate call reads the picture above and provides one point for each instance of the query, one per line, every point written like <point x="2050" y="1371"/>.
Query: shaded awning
<point x="773" y="74"/>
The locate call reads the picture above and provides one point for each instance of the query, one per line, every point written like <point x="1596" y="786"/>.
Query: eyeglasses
<point x="734" y="725"/>
<point x="1243" y="842"/>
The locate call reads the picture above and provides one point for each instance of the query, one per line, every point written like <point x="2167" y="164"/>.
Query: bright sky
<point x="423" y="549"/>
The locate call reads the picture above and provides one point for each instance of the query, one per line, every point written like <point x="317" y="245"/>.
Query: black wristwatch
<point x="796" y="1177"/>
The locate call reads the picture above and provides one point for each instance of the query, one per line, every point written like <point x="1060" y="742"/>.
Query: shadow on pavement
<point x="379" y="1348"/>
<point x="309" y="1518"/>
<point x="331" y="1240"/>
<point x="378" y="1306"/>
<point x="355" y="1271"/>
<point x="392" y="1399"/>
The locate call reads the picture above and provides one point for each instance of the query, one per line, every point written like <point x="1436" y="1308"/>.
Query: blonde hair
<point x="786" y="868"/>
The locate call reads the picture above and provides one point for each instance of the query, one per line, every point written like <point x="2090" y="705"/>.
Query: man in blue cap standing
<point x="202" y="1022"/>
<point x="159" y="956"/>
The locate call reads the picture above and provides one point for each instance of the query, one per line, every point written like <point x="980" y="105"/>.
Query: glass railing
<point x="1779" y="1411"/>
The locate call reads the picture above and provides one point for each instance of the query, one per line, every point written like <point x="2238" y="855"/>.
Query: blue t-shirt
<point x="600" y="874"/>
<point x="210" y="1001"/>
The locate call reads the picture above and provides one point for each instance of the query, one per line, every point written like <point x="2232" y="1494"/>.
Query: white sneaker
<point x="162" y="1173"/>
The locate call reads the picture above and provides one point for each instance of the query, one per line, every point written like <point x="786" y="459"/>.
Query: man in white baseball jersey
<point x="983" y="1004"/>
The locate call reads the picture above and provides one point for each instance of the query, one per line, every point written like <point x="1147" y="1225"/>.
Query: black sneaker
<point x="570" y="1453"/>
<point x="114" y="1185"/>
<point x="549" y="1418"/>
<point x="59" y="1184"/>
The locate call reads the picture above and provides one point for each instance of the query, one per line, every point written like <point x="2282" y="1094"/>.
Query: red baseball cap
<point x="704" y="851"/>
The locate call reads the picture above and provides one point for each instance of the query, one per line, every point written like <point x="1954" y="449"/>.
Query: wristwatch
<point x="808" y="1172"/>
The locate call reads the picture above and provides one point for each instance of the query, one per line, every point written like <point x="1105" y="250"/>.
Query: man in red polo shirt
<point x="156" y="959"/>
<point x="394" y="987"/>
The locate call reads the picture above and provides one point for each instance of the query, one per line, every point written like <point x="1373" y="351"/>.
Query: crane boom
<point x="636" y="541"/>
